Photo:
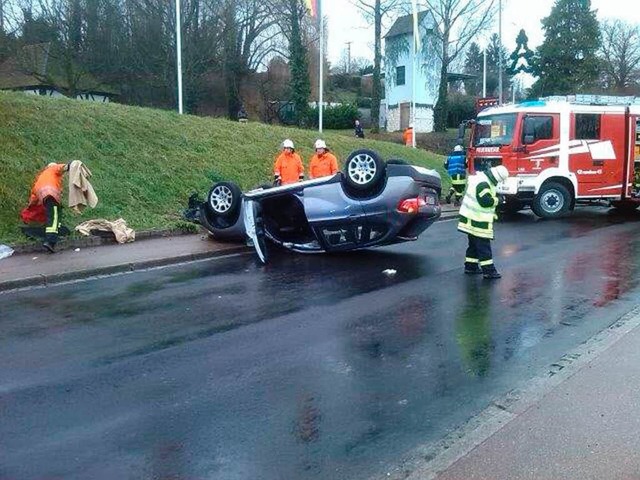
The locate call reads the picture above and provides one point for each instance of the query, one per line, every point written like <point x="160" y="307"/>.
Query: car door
<point x="254" y="228"/>
<point x="337" y="219"/>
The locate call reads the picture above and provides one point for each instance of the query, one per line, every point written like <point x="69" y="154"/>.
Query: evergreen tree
<point x="566" y="62"/>
<point x="495" y="52"/>
<point x="299" y="65"/>
<point x="473" y="65"/>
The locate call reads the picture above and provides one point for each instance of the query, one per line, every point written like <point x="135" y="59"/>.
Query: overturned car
<point x="370" y="203"/>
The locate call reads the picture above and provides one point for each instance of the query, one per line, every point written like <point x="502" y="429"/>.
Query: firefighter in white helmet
<point x="323" y="163"/>
<point x="288" y="167"/>
<point x="477" y="214"/>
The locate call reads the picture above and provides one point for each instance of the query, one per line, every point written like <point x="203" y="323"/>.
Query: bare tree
<point x="459" y="22"/>
<point x="353" y="65"/>
<point x="374" y="12"/>
<point x="620" y="54"/>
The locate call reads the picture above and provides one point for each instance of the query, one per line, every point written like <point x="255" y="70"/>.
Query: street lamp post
<point x="179" y="55"/>
<point x="500" y="52"/>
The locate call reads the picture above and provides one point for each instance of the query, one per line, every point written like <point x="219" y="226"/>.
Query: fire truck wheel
<point x="553" y="200"/>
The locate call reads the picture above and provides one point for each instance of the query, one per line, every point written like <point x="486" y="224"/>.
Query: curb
<point x="94" y="241"/>
<point x="45" y="280"/>
<point x="97" y="241"/>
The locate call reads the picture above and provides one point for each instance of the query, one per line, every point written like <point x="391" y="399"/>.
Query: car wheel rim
<point x="552" y="201"/>
<point x="362" y="169"/>
<point x="221" y="199"/>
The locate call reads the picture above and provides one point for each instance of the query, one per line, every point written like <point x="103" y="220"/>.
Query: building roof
<point x="404" y="25"/>
<point x="33" y="66"/>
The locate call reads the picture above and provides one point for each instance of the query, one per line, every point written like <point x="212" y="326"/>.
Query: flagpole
<point x="321" y="82"/>
<point x="179" y="55"/>
<point x="413" y="96"/>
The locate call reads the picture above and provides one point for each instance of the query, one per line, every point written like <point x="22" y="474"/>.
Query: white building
<point x="398" y="60"/>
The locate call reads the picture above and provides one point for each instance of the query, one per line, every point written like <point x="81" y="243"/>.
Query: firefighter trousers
<point x="479" y="255"/>
<point x="52" y="227"/>
<point x="458" y="184"/>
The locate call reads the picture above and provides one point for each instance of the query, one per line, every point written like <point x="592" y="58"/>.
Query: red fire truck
<point x="561" y="151"/>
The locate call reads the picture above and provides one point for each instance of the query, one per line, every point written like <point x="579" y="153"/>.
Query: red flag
<point x="312" y="5"/>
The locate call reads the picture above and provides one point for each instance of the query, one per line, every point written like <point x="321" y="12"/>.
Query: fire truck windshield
<point x="494" y="130"/>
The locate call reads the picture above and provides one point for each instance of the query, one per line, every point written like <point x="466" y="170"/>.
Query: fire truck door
<point x="596" y="152"/>
<point x="540" y="142"/>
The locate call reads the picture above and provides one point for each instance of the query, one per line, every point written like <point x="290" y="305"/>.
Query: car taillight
<point x="411" y="205"/>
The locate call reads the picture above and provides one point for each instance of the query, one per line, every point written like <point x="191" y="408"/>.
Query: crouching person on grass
<point x="477" y="214"/>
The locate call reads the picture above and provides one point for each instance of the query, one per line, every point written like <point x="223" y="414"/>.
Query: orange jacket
<point x="408" y="137"/>
<point x="323" y="165"/>
<point x="289" y="168"/>
<point x="48" y="184"/>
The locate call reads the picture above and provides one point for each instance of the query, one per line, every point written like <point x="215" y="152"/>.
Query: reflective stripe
<point x="467" y="226"/>
<point x="484" y="192"/>
<point x="54" y="225"/>
<point x="485" y="263"/>
<point x="471" y="208"/>
<point x="471" y="260"/>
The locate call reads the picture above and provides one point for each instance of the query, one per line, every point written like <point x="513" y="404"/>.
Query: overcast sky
<point x="347" y="25"/>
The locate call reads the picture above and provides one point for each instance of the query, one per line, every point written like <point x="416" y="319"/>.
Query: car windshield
<point x="494" y="130"/>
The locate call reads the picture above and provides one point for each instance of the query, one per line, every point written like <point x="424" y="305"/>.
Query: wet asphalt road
<point x="313" y="367"/>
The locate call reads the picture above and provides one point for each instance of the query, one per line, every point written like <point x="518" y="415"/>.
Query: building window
<point x="400" y="76"/>
<point x="587" y="126"/>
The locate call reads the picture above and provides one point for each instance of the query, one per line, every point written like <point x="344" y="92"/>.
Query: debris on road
<point x="5" y="251"/>
<point x="390" y="272"/>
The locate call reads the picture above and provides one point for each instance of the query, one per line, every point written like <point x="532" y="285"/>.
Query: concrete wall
<point x="424" y="119"/>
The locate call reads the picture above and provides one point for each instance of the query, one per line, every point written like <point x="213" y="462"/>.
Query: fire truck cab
<point x="561" y="151"/>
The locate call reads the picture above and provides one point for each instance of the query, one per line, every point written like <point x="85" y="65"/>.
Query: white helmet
<point x="287" y="144"/>
<point x="500" y="173"/>
<point x="458" y="148"/>
<point x="320" y="144"/>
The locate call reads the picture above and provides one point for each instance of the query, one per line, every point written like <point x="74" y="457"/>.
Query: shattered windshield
<point x="494" y="130"/>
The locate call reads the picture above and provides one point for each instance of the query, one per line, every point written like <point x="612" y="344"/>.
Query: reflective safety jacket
<point x="407" y="136"/>
<point x="48" y="184"/>
<point x="456" y="164"/>
<point x="479" y="206"/>
<point x="323" y="165"/>
<point x="289" y="168"/>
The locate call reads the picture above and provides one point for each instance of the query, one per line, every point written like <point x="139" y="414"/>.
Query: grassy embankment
<point x="145" y="162"/>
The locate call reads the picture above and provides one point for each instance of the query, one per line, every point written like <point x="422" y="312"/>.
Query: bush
<point x="335" y="118"/>
<point x="364" y="102"/>
<point x="461" y="107"/>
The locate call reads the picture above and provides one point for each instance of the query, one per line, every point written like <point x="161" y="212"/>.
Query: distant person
<point x="456" y="166"/>
<point x="242" y="115"/>
<point x="45" y="203"/>
<point x="323" y="163"/>
<point x="359" y="132"/>
<point x="476" y="220"/>
<point x="407" y="136"/>
<point x="288" y="167"/>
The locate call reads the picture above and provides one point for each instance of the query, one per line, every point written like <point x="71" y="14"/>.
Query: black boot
<point x="492" y="275"/>
<point x="472" y="269"/>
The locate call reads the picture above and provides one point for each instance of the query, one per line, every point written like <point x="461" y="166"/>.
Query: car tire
<point x="223" y="205"/>
<point x="552" y="201"/>
<point x="224" y="199"/>
<point x="364" y="171"/>
<point x="625" y="207"/>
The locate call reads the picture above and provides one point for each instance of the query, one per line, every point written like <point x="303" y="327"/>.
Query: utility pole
<point x="348" y="57"/>
<point x="500" y="52"/>
<point x="1" y="15"/>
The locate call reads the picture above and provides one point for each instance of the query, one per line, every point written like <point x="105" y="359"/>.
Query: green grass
<point x="145" y="162"/>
